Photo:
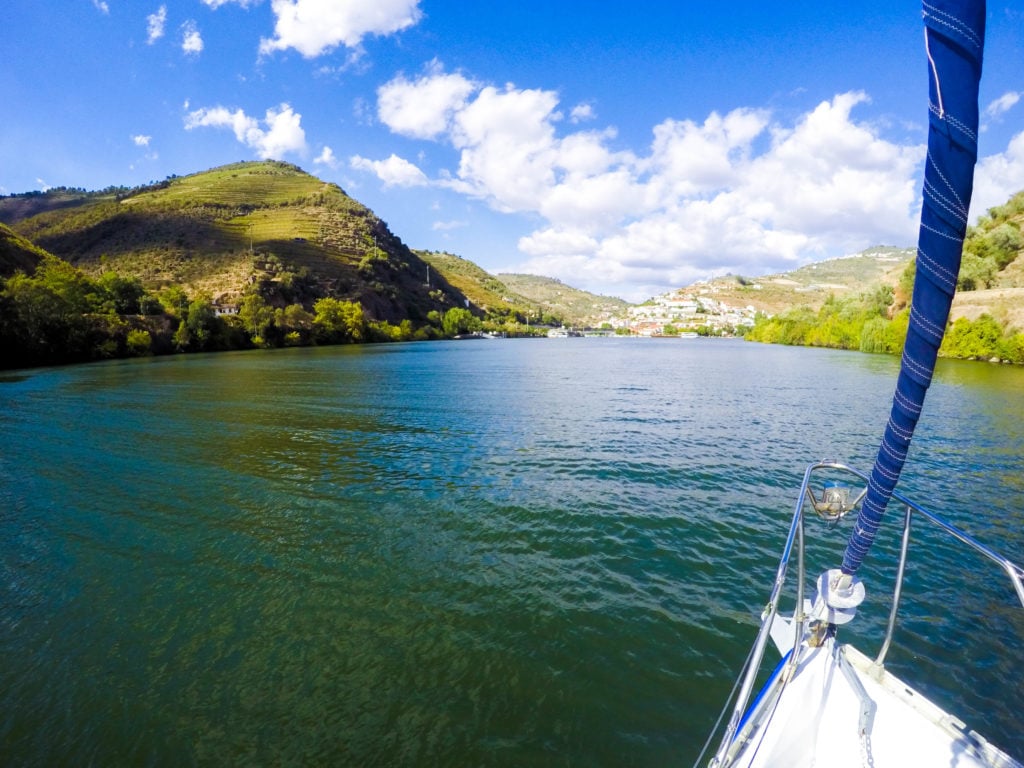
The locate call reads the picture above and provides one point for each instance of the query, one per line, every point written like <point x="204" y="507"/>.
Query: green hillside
<point x="218" y="232"/>
<point x="992" y="272"/>
<point x="28" y="204"/>
<point x="579" y="308"/>
<point x="17" y="253"/>
<point x="986" y="318"/>
<point x="264" y="254"/>
<point x="483" y="289"/>
<point x="521" y="297"/>
<point x="813" y="284"/>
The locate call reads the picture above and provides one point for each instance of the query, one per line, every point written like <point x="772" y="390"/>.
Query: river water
<point x="501" y="553"/>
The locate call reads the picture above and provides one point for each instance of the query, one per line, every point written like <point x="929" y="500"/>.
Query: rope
<point x="728" y="703"/>
<point x="935" y="74"/>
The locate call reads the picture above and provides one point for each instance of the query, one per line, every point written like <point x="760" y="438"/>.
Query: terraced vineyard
<point x="220" y="231"/>
<point x="240" y="185"/>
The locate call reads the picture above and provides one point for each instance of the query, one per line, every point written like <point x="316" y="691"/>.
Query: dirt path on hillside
<point x="1004" y="304"/>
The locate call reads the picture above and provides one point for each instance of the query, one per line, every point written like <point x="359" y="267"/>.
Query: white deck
<point x="816" y="722"/>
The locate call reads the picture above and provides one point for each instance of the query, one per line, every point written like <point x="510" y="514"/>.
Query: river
<point x="501" y="553"/>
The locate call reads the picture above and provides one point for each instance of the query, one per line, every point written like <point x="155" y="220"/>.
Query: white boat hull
<point x="820" y="718"/>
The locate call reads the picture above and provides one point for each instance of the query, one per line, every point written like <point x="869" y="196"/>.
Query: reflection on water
<point x="501" y="553"/>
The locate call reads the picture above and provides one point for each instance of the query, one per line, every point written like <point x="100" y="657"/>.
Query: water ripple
<point x="508" y="554"/>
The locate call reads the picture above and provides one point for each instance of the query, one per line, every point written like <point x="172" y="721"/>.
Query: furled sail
<point x="954" y="39"/>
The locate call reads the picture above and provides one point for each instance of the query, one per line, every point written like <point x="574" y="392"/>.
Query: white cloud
<point x="560" y="242"/>
<point x="101" y="6"/>
<point x="326" y="157"/>
<point x="690" y="159"/>
<point x="998" y="177"/>
<point x="313" y="27"/>
<point x="423" y="108"/>
<point x="596" y="202"/>
<point x="581" y="113"/>
<point x="155" y="23"/>
<point x="215" y="4"/>
<point x="141" y="140"/>
<point x="1003" y="104"/>
<point x="354" y="62"/>
<point x="447" y="226"/>
<point x="739" y="192"/>
<point x="835" y="179"/>
<point x="394" y="171"/>
<point x="191" y="40"/>
<point x="282" y="132"/>
<point x="508" y="149"/>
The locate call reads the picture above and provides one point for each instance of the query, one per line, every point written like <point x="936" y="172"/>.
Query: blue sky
<point x="625" y="148"/>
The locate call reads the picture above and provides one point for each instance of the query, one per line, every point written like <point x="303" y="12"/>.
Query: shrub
<point x="139" y="343"/>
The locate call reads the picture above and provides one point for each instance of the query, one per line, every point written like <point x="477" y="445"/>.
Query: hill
<point x="479" y="286"/>
<point x="992" y="273"/>
<point x="987" y="322"/>
<point x="812" y="284"/>
<point x="17" y="253"/>
<point x="575" y="306"/>
<point x="258" y="237"/>
<point x="26" y="205"/>
<point x="218" y="232"/>
<point x="518" y="297"/>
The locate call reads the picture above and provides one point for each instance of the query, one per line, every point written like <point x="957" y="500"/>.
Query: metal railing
<point x="795" y="538"/>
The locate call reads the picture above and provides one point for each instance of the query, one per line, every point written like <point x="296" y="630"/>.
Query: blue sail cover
<point x="954" y="39"/>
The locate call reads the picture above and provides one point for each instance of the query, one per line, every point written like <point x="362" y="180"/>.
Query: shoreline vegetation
<point x="262" y="255"/>
<point x="876" y="321"/>
<point x="868" y="323"/>
<point x="59" y="315"/>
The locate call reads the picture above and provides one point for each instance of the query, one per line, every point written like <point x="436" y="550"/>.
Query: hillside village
<point x="687" y="310"/>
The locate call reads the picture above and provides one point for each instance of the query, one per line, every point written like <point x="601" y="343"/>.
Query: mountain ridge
<point x="221" y="230"/>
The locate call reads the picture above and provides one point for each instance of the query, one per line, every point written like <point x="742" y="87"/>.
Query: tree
<point x="877" y="302"/>
<point x="255" y="314"/>
<point x="200" y="320"/>
<point x="1005" y="242"/>
<point x="181" y="336"/>
<point x="878" y="336"/>
<point x="123" y="293"/>
<point x="458" y="320"/>
<point x="980" y="339"/>
<point x="295" y="317"/>
<point x="175" y="301"/>
<point x="338" y="321"/>
<point x="1012" y="348"/>
<point x="150" y="305"/>
<point x="905" y="287"/>
<point x="72" y="288"/>
<point x="976" y="272"/>
<point x="46" y="313"/>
